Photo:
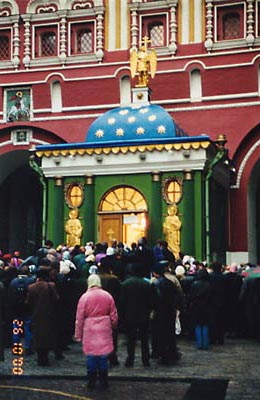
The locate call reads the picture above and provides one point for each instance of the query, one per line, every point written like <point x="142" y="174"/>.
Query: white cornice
<point x="119" y="164"/>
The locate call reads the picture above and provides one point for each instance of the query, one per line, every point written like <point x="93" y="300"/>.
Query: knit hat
<point x="110" y="251"/>
<point x="179" y="270"/>
<point x="94" y="281"/>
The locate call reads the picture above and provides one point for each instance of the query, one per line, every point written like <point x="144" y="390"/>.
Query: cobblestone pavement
<point x="236" y="365"/>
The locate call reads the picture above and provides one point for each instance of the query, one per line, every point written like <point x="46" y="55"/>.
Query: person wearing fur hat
<point x="96" y="317"/>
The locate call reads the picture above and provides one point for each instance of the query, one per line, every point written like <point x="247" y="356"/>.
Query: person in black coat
<point x="199" y="306"/>
<point x="166" y="301"/>
<point x="234" y="284"/>
<point x="218" y="288"/>
<point x="134" y="311"/>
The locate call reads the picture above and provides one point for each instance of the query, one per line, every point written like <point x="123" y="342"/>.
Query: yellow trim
<point x="118" y="24"/>
<point x="125" y="149"/>
<point x="203" y="19"/>
<point x="191" y="21"/>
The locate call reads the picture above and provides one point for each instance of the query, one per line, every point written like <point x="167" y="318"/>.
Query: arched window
<point x="56" y="98"/>
<point x="123" y="198"/>
<point x="195" y="85"/>
<point x="125" y="90"/>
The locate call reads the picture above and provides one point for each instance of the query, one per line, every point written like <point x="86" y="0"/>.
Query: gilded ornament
<point x="143" y="63"/>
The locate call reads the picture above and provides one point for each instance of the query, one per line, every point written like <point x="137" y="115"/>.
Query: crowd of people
<point x="91" y="293"/>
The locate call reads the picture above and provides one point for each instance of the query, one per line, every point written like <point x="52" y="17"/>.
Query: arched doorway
<point x="122" y="215"/>
<point x="254" y="215"/>
<point x="20" y="204"/>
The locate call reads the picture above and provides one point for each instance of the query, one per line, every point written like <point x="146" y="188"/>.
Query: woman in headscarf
<point x="96" y="318"/>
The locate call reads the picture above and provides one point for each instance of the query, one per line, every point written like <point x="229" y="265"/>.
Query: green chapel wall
<point x="199" y="216"/>
<point x="55" y="213"/>
<point x="191" y="208"/>
<point x="191" y="211"/>
<point x="186" y="213"/>
<point x="141" y="182"/>
<point x="82" y="209"/>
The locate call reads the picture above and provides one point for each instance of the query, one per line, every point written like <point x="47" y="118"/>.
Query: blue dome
<point x="133" y="124"/>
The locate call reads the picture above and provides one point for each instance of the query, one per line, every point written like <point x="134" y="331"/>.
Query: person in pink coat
<point x="96" y="318"/>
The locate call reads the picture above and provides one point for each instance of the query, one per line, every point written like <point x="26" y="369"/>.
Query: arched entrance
<point x="20" y="204"/>
<point x="254" y="215"/>
<point x="122" y="215"/>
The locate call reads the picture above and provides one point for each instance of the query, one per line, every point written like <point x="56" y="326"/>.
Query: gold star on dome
<point x="161" y="129"/>
<point x="152" y="118"/>
<point x="99" y="133"/>
<point x="120" y="132"/>
<point x="140" y="130"/>
<point x="143" y="110"/>
<point x="131" y="120"/>
<point x="111" y="121"/>
<point x="123" y="112"/>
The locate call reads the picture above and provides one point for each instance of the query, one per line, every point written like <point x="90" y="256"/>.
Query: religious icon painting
<point x="18" y="104"/>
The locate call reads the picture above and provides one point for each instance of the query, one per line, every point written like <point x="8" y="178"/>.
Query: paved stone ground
<point x="236" y="362"/>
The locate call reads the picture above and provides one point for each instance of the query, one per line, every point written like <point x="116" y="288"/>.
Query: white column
<point x="209" y="25"/>
<point x="250" y="38"/>
<point x="27" y="42"/>
<point x="173" y="29"/>
<point x="63" y="47"/>
<point x="134" y="29"/>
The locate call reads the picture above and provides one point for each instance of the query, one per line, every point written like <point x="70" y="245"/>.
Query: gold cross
<point x="145" y="41"/>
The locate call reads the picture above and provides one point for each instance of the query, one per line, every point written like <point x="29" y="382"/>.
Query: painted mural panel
<point x="18" y="105"/>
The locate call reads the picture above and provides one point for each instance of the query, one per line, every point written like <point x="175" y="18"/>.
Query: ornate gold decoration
<point x="74" y="194"/>
<point x="73" y="228"/>
<point x="143" y="63"/>
<point x="172" y="190"/>
<point x="123" y="198"/>
<point x="171" y="230"/>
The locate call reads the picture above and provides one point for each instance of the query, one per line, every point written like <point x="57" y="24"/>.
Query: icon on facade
<point x="18" y="105"/>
